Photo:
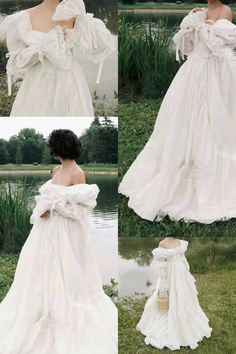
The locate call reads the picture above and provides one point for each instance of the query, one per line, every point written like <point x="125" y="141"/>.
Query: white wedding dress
<point x="56" y="304"/>
<point x="53" y="81"/>
<point x="184" y="324"/>
<point x="187" y="168"/>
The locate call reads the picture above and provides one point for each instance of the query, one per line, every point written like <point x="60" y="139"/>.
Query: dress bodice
<point x="73" y="202"/>
<point x="54" y="48"/>
<point x="205" y="38"/>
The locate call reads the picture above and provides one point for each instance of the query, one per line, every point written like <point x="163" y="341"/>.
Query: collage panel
<point x="58" y="58"/>
<point x="58" y="235"/>
<point x="176" y="177"/>
<point x="168" y="295"/>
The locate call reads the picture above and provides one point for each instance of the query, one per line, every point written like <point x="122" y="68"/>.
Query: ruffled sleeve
<point x="73" y="202"/>
<point x="185" y="37"/>
<point x="24" y="53"/>
<point x="221" y="35"/>
<point x="4" y="26"/>
<point x="89" y="34"/>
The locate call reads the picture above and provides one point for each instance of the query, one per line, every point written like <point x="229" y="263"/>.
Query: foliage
<point x="14" y="216"/>
<point x="4" y="156"/>
<point x="136" y="123"/>
<point x="99" y="142"/>
<point x="99" y="145"/>
<point x="112" y="290"/>
<point x="147" y="61"/>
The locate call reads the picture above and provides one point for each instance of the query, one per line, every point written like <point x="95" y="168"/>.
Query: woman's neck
<point x="212" y="4"/>
<point x="67" y="163"/>
<point x="50" y="4"/>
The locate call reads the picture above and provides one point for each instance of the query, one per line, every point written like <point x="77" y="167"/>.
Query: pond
<point x="105" y="217"/>
<point x="137" y="270"/>
<point x="170" y="20"/>
<point x="105" y="93"/>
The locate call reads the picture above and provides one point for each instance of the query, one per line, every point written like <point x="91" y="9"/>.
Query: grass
<point x="14" y="216"/>
<point x="86" y="167"/>
<point x="163" y="6"/>
<point x="136" y="123"/>
<point x="147" y="61"/>
<point x="217" y="298"/>
<point x="8" y="264"/>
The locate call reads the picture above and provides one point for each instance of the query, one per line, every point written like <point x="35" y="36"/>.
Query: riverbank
<point x="101" y="169"/>
<point x="217" y="298"/>
<point x="162" y="7"/>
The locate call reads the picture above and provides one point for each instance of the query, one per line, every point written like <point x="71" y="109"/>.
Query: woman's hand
<point x="45" y="215"/>
<point x="196" y="9"/>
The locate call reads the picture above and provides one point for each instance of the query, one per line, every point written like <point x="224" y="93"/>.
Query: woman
<point x="56" y="304"/>
<point x="187" y="169"/>
<point x="172" y="316"/>
<point x="42" y="43"/>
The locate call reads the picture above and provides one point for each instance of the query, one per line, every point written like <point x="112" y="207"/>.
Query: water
<point x="170" y="20"/>
<point x="137" y="270"/>
<point x="104" y="216"/>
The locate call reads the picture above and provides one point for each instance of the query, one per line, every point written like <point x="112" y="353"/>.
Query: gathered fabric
<point x="186" y="170"/>
<point x="184" y="323"/>
<point x="56" y="304"/>
<point x="53" y="81"/>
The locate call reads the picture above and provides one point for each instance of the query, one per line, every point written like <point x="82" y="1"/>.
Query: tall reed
<point x="147" y="62"/>
<point x="14" y="216"/>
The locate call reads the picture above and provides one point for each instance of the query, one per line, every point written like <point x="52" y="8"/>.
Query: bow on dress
<point x="90" y="33"/>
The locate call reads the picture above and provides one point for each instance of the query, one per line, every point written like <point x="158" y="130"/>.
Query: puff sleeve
<point x="184" y="39"/>
<point x="73" y="202"/>
<point x="89" y="34"/>
<point x="24" y="53"/>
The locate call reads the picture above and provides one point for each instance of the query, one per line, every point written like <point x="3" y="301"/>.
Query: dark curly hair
<point x="65" y="144"/>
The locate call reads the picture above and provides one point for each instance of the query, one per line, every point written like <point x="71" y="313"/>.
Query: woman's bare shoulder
<point x="78" y="176"/>
<point x="226" y="13"/>
<point x="55" y="169"/>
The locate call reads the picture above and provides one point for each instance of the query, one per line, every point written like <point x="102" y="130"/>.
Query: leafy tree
<point x="47" y="158"/>
<point x="32" y="144"/>
<point x="4" y="155"/>
<point x="100" y="142"/>
<point x="19" y="155"/>
<point x="12" y="145"/>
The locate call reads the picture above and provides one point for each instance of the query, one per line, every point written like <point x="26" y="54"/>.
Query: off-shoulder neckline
<point x="73" y="185"/>
<point x="181" y="242"/>
<point x="173" y="248"/>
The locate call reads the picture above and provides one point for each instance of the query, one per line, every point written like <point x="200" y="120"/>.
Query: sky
<point x="44" y="125"/>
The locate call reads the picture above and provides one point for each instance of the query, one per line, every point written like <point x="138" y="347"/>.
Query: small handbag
<point x="163" y="301"/>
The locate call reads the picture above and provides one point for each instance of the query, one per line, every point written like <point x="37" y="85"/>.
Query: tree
<point x="99" y="142"/>
<point x="12" y="145"/>
<point x="32" y="145"/>
<point x="4" y="155"/>
<point x="47" y="157"/>
<point x="19" y="155"/>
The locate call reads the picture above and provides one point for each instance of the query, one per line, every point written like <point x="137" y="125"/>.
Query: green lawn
<point x="163" y="6"/>
<point x="136" y="122"/>
<point x="87" y="167"/>
<point x="217" y="298"/>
